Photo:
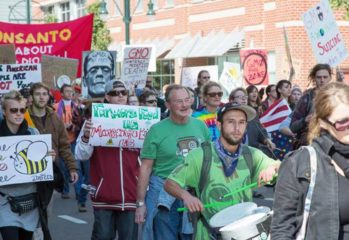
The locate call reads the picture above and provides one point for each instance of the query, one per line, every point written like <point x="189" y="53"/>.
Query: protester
<point x="164" y="148"/>
<point x="271" y="96"/>
<point x="114" y="174"/>
<point x="326" y="210"/>
<point x="320" y="75"/>
<point x="148" y="98"/>
<point x="296" y="95"/>
<point x="202" y="79"/>
<point x="212" y="95"/>
<point x="228" y="160"/>
<point x="14" y="226"/>
<point x="64" y="109"/>
<point x="98" y="71"/>
<point x="25" y="92"/>
<point x="283" y="143"/>
<point x="256" y="135"/>
<point x="132" y="100"/>
<point x="253" y="99"/>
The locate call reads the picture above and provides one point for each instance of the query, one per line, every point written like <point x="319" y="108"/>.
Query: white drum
<point x="232" y="214"/>
<point x="255" y="226"/>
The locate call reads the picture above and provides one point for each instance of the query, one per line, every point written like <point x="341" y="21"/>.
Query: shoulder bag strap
<point x="313" y="168"/>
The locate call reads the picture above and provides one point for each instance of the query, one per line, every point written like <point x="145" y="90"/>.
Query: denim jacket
<point x="291" y="190"/>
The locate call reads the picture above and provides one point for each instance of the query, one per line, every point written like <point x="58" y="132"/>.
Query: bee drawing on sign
<point x="30" y="156"/>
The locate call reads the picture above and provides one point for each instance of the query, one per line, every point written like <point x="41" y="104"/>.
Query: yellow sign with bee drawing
<point x="25" y="159"/>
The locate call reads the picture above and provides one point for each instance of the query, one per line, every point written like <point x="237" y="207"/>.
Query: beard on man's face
<point x="231" y="140"/>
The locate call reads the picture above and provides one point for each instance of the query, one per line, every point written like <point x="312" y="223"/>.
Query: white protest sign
<point x="326" y="40"/>
<point x="121" y="125"/>
<point x="18" y="76"/>
<point x="135" y="66"/>
<point x="24" y="159"/>
<point x="190" y="75"/>
<point x="230" y="79"/>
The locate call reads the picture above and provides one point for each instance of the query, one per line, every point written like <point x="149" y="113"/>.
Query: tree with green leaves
<point x="101" y="34"/>
<point x="341" y="4"/>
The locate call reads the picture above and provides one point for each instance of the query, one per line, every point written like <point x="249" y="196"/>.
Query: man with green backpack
<point x="220" y="167"/>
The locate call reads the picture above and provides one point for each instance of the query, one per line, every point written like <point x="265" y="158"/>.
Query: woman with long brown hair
<point x="327" y="208"/>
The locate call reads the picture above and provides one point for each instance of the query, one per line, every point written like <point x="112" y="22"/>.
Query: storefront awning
<point x="214" y="44"/>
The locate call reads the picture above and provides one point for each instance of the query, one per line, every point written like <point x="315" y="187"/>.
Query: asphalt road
<point x="67" y="223"/>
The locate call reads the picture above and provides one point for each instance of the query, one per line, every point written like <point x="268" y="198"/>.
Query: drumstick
<point x="209" y="205"/>
<point x="252" y="185"/>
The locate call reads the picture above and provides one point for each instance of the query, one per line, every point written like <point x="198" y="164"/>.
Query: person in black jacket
<point x="329" y="209"/>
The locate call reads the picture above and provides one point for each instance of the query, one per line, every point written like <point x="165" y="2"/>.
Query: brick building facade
<point x="260" y="21"/>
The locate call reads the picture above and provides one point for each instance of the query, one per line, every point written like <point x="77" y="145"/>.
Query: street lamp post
<point x="127" y="18"/>
<point x="28" y="12"/>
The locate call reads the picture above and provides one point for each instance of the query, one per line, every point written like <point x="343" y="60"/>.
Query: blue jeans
<point x="107" y="222"/>
<point x="66" y="174"/>
<point x="84" y="177"/>
<point x="161" y="223"/>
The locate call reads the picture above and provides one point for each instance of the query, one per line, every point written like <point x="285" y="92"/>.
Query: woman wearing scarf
<point x="14" y="226"/>
<point x="328" y="209"/>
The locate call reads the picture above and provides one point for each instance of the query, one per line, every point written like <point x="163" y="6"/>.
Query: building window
<point x="156" y="4"/>
<point x="80" y="8"/>
<point x="50" y="10"/>
<point x="165" y="74"/>
<point x="65" y="9"/>
<point x="169" y="3"/>
<point x="231" y="56"/>
<point x="140" y="7"/>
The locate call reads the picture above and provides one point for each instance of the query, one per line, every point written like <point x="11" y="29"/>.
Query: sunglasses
<point x="152" y="101"/>
<point x="340" y="125"/>
<point x="214" y="94"/>
<point x="115" y="93"/>
<point x="17" y="110"/>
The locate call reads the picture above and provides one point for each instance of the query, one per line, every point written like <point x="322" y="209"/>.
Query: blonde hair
<point x="327" y="98"/>
<point x="11" y="95"/>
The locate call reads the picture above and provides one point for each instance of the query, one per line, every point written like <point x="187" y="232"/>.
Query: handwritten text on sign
<point x="120" y="125"/>
<point x="326" y="40"/>
<point x="18" y="76"/>
<point x="24" y="159"/>
<point x="254" y="63"/>
<point x="135" y="66"/>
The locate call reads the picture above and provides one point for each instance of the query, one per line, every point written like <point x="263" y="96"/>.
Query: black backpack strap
<point x="206" y="164"/>
<point x="246" y="153"/>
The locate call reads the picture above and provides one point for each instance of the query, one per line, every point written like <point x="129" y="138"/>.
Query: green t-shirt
<point x="188" y="174"/>
<point x="167" y="143"/>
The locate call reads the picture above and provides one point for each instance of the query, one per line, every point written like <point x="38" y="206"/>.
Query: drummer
<point x="233" y="166"/>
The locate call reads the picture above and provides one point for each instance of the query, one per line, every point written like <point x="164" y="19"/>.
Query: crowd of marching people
<point x="200" y="151"/>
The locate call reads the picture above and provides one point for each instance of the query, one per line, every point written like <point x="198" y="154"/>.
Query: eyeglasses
<point x="115" y="93"/>
<point x="182" y="101"/>
<point x="214" y="94"/>
<point x="340" y="125"/>
<point x="17" y="110"/>
<point x="152" y="101"/>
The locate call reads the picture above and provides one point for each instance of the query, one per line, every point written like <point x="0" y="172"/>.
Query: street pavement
<point x="67" y="223"/>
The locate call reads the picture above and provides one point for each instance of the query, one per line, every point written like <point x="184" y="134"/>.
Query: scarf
<point x="5" y="131"/>
<point x="340" y="154"/>
<point x="228" y="159"/>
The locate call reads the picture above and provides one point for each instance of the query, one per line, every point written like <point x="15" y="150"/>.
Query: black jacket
<point x="291" y="190"/>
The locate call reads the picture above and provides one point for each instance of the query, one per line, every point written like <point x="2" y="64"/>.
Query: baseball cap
<point x="113" y="84"/>
<point x="249" y="111"/>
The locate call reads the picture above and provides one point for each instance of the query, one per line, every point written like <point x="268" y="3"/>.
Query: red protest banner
<point x="67" y="39"/>
<point x="254" y="63"/>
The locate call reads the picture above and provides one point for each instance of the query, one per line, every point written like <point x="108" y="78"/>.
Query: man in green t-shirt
<point x="228" y="170"/>
<point x="164" y="149"/>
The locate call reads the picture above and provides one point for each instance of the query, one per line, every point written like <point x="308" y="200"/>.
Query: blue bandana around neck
<point x="227" y="157"/>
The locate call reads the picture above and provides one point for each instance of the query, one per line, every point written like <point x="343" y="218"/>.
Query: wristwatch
<point x="139" y="204"/>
